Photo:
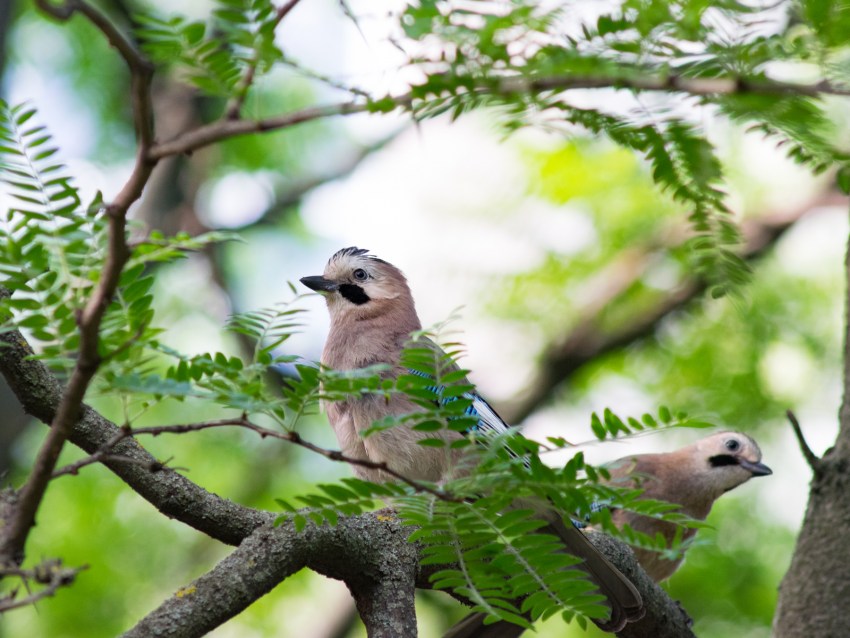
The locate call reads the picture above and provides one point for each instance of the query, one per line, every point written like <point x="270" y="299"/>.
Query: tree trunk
<point x="814" y="597"/>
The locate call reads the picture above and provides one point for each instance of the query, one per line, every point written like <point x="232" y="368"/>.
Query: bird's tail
<point x="621" y="596"/>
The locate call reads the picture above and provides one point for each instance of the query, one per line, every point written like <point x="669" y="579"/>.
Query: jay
<point x="372" y="316"/>
<point x="692" y="477"/>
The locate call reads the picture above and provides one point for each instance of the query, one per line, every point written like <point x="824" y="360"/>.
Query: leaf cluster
<point x="522" y="58"/>
<point x="214" y="56"/>
<point x="52" y="254"/>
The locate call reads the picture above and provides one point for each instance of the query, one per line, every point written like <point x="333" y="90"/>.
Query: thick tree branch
<point x="664" y="617"/>
<point x="372" y="555"/>
<point x="586" y="341"/>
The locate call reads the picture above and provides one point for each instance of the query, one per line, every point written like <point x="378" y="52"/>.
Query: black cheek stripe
<point x="722" y="459"/>
<point x="355" y="294"/>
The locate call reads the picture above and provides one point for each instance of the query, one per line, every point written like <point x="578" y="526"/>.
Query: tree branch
<point x="89" y="319"/>
<point x="172" y="494"/>
<point x="586" y="341"/>
<point x="224" y="129"/>
<point x="371" y="554"/>
<point x="50" y="573"/>
<point x="664" y="617"/>
<point x="811" y="458"/>
<point x="669" y="83"/>
<point x="243" y="422"/>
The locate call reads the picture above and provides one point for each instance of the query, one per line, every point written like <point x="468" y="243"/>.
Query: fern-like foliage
<point x="522" y="57"/>
<point x="52" y="253"/>
<point x="50" y="244"/>
<point x="214" y="56"/>
<point x="492" y="549"/>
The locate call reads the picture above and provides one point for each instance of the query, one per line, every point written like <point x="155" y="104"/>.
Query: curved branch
<point x="586" y="341"/>
<point x="225" y="129"/>
<point x="812" y="459"/>
<point x="371" y="554"/>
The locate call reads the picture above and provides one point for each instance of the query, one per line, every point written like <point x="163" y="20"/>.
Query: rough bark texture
<point x="372" y="555"/>
<point x="814" y="597"/>
<point x="663" y="616"/>
<point x="383" y="579"/>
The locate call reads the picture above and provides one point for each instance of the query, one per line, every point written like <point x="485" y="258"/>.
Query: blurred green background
<point x="526" y="236"/>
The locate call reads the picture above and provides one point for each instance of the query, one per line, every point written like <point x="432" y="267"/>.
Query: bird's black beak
<point x="319" y="284"/>
<point x="756" y="469"/>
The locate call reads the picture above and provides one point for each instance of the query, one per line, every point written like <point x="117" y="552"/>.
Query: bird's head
<point x="729" y="459"/>
<point x="359" y="286"/>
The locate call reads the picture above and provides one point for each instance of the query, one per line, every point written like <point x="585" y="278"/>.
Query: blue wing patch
<point x="595" y="506"/>
<point x="489" y="423"/>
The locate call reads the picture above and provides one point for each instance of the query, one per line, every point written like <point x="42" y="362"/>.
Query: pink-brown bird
<point x="372" y="317"/>
<point x="693" y="477"/>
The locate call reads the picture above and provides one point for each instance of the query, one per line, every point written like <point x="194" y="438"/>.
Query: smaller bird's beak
<point x="756" y="469"/>
<point x="319" y="284"/>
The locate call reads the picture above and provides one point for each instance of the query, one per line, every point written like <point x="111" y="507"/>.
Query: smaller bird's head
<point x="359" y="286"/>
<point x="731" y="458"/>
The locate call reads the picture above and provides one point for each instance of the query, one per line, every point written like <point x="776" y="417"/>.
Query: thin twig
<point x="103" y="457"/>
<point x="811" y="458"/>
<point x="50" y="573"/>
<point x="288" y="436"/>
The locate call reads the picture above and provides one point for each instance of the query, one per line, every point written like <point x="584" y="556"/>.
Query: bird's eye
<point x="732" y="445"/>
<point x="360" y="274"/>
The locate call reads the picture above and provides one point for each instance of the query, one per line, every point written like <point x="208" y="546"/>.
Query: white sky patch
<point x="567" y="230"/>
<point x="816" y="245"/>
<point x="235" y="200"/>
<point x="788" y="371"/>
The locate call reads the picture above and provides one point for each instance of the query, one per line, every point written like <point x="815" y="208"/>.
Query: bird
<point x="372" y="317"/>
<point x="693" y="477"/>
